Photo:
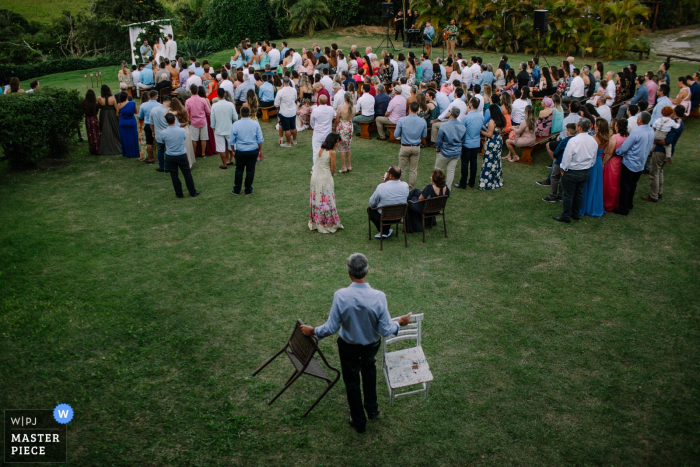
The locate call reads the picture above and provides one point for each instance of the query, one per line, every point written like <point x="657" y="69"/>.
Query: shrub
<point x="227" y="22"/>
<point x="26" y="72"/>
<point x="196" y="48"/>
<point x="39" y="124"/>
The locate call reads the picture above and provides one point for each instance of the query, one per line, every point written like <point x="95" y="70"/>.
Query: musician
<point x="450" y="37"/>
<point x="428" y="34"/>
<point x="399" y="24"/>
<point x="409" y="25"/>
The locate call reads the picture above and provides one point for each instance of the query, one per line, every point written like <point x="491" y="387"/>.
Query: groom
<point x="170" y="48"/>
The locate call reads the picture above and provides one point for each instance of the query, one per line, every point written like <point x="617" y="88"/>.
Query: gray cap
<point x="397" y="89"/>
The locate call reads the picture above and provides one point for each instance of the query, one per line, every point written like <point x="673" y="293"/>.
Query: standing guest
<point x="198" y="108"/>
<point x="321" y="121"/>
<point x="491" y="171"/>
<point x="576" y="163"/>
<point x="662" y="101"/>
<point x="659" y="157"/>
<point x="274" y="56"/>
<point x="523" y="136"/>
<point x="391" y="191"/>
<point x="449" y="143"/>
<point x="652" y="87"/>
<point x="428" y="34"/>
<point x="343" y="125"/>
<point x="246" y="138"/>
<point x="395" y="111"/>
<point x="365" y="109"/>
<point x="285" y="101"/>
<point x="110" y="138"/>
<point x="92" y="124"/>
<point x="324" y="215"/>
<point x="174" y="140"/>
<point x="143" y="147"/>
<point x="556" y="152"/>
<point x="144" y="115"/>
<point x="158" y="125"/>
<point x="183" y="119"/>
<point x="471" y="141"/>
<point x="410" y="130"/>
<point x="612" y="166"/>
<point x="223" y="115"/>
<point x="444" y="114"/>
<point x="634" y="153"/>
<point x="592" y="204"/>
<point x="127" y="127"/>
<point x="362" y="315"/>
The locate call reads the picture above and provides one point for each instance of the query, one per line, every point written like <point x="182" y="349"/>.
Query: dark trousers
<point x="396" y="36"/>
<point x="468" y="160"/>
<point x="628" y="185"/>
<point x="355" y="360"/>
<point x="162" y="164"/>
<point x="245" y="161"/>
<point x="175" y="162"/>
<point x="572" y="184"/>
<point x="376" y="217"/>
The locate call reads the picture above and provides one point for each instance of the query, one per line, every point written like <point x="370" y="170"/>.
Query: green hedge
<point x="26" y="72"/>
<point x="39" y="124"/>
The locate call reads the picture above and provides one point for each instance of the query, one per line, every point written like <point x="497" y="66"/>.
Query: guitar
<point x="446" y="34"/>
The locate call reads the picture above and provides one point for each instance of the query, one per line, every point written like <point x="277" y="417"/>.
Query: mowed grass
<point x="550" y="344"/>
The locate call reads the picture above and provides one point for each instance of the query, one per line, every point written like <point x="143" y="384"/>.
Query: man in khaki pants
<point x="395" y="111"/>
<point x="410" y="130"/>
<point x="449" y="144"/>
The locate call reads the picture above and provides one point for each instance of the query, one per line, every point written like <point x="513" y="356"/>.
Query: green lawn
<point x="550" y="344"/>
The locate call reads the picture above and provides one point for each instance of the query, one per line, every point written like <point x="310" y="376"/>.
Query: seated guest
<point x="146" y="78"/>
<point x="164" y="82"/>
<point x="391" y="191"/>
<point x="436" y="187"/>
<point x="266" y="94"/>
<point x="395" y="111"/>
<point x="603" y="110"/>
<point x="364" y="110"/>
<point x="523" y="136"/>
<point x="381" y="101"/>
<point x="544" y="121"/>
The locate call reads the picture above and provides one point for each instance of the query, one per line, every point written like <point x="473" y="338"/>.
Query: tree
<point x="227" y="22"/>
<point x="307" y="15"/>
<point x="130" y="11"/>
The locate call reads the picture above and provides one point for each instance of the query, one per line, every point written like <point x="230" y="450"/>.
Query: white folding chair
<point x="407" y="367"/>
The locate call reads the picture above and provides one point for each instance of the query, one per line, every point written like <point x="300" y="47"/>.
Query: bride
<point x="160" y="50"/>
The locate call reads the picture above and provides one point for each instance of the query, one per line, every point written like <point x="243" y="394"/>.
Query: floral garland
<point x="152" y="31"/>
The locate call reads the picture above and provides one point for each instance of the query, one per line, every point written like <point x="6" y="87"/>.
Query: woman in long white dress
<point x="160" y="51"/>
<point x="324" y="215"/>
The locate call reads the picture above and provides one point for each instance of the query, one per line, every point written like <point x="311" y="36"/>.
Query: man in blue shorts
<point x="285" y="101"/>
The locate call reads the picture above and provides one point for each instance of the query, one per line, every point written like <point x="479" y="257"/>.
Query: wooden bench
<point x="268" y="112"/>
<point x="526" y="157"/>
<point x="695" y="113"/>
<point x="389" y="128"/>
<point x="365" y="128"/>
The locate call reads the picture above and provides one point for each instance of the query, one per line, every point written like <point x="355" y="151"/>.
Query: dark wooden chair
<point x="164" y="92"/>
<point x="300" y="350"/>
<point x="433" y="207"/>
<point x="394" y="214"/>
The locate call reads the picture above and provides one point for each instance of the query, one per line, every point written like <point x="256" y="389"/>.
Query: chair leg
<point x="330" y="386"/>
<point x="423" y="220"/>
<point x="270" y="360"/>
<point x="286" y="386"/>
<point x="444" y="223"/>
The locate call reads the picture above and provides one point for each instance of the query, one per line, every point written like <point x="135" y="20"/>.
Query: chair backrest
<point x="435" y="204"/>
<point x="302" y="346"/>
<point x="165" y="92"/>
<point x="393" y="213"/>
<point x="410" y="331"/>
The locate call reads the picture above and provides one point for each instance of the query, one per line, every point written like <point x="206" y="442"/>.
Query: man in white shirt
<point x="342" y="64"/>
<point x="466" y="76"/>
<point x="296" y="60"/>
<point x="632" y="111"/>
<point x="338" y="96"/>
<point x="327" y="82"/>
<point x="610" y="88"/>
<point x="364" y="110"/>
<point x="394" y="63"/>
<point x="321" y="121"/>
<point x="571" y="64"/>
<point x="193" y="79"/>
<point x="223" y="114"/>
<point x="226" y="84"/>
<point x="517" y="113"/>
<point x="274" y="56"/>
<point x="459" y="103"/>
<point x="579" y="156"/>
<point x="476" y="71"/>
<point x="171" y="48"/>
<point x="286" y="103"/>
<point x="603" y="110"/>
<point x="577" y="88"/>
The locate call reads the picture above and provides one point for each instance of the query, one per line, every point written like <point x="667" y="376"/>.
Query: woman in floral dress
<point x="344" y="129"/>
<point x="142" y="134"/>
<point x="324" y="216"/>
<point x="491" y="174"/>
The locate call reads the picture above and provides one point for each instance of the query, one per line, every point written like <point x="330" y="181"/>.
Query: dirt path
<point x="685" y="43"/>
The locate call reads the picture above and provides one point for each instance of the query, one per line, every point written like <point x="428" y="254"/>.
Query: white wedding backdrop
<point x="136" y="29"/>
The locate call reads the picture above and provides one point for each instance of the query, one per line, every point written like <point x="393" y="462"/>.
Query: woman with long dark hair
<point x="127" y="126"/>
<point x="491" y="176"/>
<point x="110" y="139"/>
<point x="593" y="189"/>
<point x="92" y="124"/>
<point x="612" y="166"/>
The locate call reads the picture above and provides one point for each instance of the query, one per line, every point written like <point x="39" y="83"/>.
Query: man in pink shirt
<point x="395" y="111"/>
<point x="198" y="108"/>
<point x="651" y="88"/>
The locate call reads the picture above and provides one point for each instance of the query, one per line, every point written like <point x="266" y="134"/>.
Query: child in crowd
<point x="662" y="126"/>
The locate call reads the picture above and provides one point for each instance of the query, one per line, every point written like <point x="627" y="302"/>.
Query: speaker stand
<point x="387" y="41"/>
<point x="539" y="41"/>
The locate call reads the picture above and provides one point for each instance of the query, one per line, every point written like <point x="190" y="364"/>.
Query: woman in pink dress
<point x="612" y="166"/>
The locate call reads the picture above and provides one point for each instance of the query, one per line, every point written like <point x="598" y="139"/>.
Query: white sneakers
<point x="385" y="236"/>
<point x="285" y="145"/>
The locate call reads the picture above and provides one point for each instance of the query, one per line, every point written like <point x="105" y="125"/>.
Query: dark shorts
<point x="149" y="134"/>
<point x="288" y="123"/>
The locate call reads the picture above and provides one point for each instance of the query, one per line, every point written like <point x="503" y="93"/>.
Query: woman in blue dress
<point x="491" y="174"/>
<point x="593" y="190"/>
<point x="127" y="126"/>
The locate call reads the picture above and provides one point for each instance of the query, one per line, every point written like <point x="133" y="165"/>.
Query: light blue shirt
<point x="147" y="75"/>
<point x="443" y="72"/>
<point x="450" y="137"/>
<point x="636" y="148"/>
<point x="245" y="135"/>
<point x="174" y="139"/>
<point x="486" y="77"/>
<point x="427" y="68"/>
<point x="242" y="91"/>
<point x="184" y="76"/>
<point x="248" y="54"/>
<point x="429" y="31"/>
<point x="145" y="111"/>
<point x="266" y="93"/>
<point x="389" y="193"/>
<point x="363" y="314"/>
<point x="443" y="102"/>
<point x="146" y="51"/>
<point x="473" y="123"/>
<point x="642" y="94"/>
<point x="198" y="71"/>
<point x="158" y="121"/>
<point x="411" y="129"/>
<point x="571" y="118"/>
<point x="191" y="67"/>
<point x="284" y="51"/>
<point x="660" y="104"/>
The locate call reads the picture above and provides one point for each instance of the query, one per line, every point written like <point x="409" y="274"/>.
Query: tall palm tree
<point x="307" y="15"/>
